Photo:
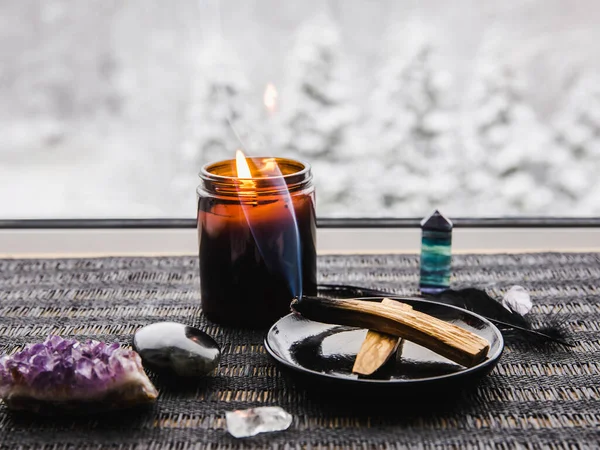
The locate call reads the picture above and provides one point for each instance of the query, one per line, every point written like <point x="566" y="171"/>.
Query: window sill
<point x="63" y="238"/>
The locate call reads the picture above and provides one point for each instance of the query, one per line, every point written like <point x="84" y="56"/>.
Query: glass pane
<point x="480" y="108"/>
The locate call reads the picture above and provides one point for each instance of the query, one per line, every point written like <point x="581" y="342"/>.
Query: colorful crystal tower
<point x="436" y="253"/>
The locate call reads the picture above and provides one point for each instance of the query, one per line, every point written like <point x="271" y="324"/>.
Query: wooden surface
<point x="57" y="243"/>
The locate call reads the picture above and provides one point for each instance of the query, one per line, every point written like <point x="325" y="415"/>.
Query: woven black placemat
<point x="537" y="396"/>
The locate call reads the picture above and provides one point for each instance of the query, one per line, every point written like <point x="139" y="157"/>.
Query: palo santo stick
<point x="449" y="340"/>
<point x="377" y="347"/>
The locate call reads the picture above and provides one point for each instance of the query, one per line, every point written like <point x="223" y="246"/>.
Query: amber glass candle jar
<point x="257" y="239"/>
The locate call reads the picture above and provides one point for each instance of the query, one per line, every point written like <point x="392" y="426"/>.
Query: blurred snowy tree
<point x="578" y="129"/>
<point x="316" y="103"/>
<point x="317" y="110"/>
<point x="219" y="118"/>
<point x="409" y="123"/>
<point x="511" y="153"/>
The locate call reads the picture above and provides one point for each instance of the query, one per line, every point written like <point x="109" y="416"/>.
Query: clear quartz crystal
<point x="517" y="299"/>
<point x="249" y="422"/>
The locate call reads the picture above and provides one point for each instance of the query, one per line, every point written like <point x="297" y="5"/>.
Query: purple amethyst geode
<point x="67" y="374"/>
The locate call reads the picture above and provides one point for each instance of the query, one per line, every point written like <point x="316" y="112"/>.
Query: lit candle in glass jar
<point x="257" y="238"/>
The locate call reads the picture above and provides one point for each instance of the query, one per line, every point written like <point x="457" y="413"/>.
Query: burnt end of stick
<point x="305" y="305"/>
<point x="315" y="308"/>
<point x="333" y="311"/>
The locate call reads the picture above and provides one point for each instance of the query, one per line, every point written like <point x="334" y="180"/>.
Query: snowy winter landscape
<point x="109" y="108"/>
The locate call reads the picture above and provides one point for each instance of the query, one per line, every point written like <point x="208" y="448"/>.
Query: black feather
<point x="479" y="302"/>
<point x="472" y="299"/>
<point x="555" y="328"/>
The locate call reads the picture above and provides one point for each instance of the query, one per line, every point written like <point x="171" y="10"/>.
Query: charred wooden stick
<point x="449" y="340"/>
<point x="377" y="348"/>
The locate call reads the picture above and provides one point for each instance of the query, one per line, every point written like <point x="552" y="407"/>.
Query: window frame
<point x="322" y="222"/>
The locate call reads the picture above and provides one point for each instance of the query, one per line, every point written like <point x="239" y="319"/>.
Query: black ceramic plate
<point x="324" y="354"/>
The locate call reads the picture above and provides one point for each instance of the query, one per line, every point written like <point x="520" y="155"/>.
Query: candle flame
<point x="270" y="98"/>
<point x="241" y="165"/>
<point x="280" y="251"/>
